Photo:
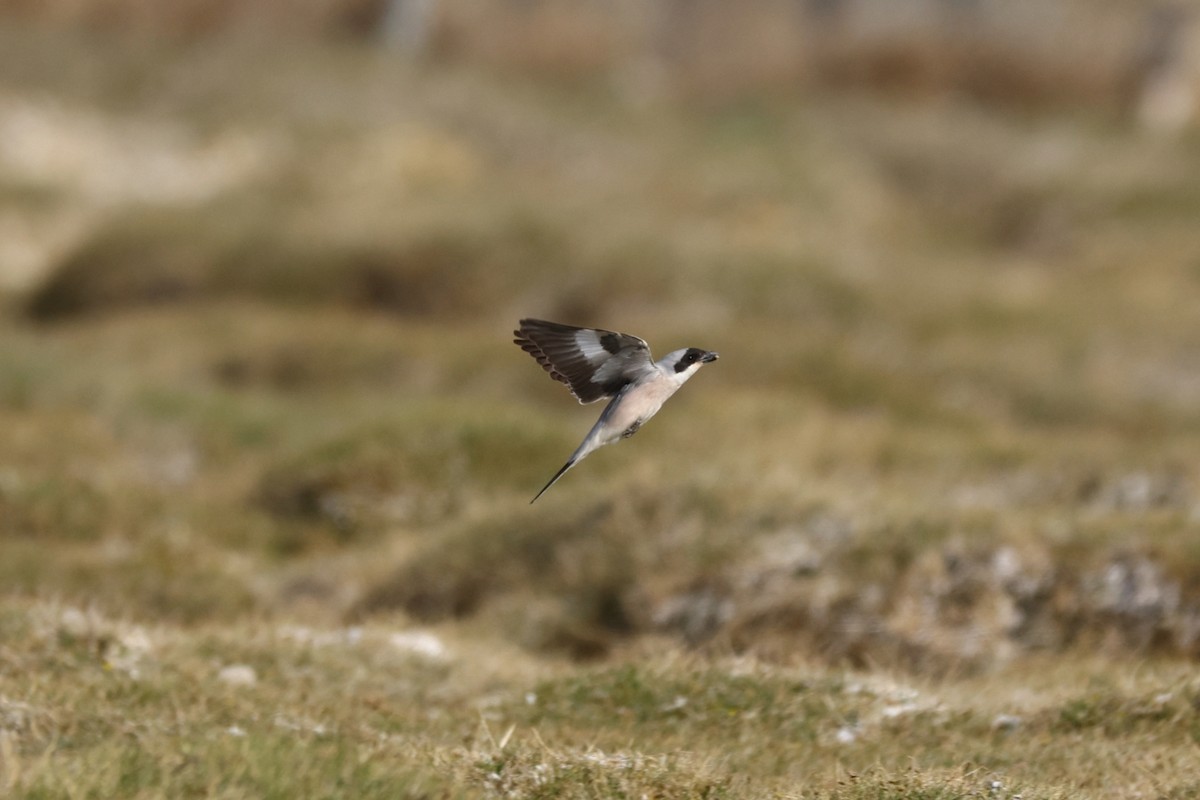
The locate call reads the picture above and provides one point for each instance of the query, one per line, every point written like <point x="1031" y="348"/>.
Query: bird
<point x="595" y="364"/>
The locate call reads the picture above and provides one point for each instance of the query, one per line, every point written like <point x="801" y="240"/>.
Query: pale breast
<point x="639" y="405"/>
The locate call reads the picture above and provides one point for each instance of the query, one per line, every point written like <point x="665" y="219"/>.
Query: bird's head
<point x="687" y="361"/>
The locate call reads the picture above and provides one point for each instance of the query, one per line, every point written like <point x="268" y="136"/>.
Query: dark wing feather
<point x="592" y="362"/>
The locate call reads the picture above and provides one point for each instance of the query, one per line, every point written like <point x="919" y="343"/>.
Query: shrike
<point x="596" y="363"/>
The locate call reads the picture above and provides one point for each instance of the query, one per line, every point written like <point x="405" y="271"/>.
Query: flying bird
<point x="595" y="364"/>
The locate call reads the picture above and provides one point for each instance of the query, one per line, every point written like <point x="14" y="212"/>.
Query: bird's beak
<point x="707" y="357"/>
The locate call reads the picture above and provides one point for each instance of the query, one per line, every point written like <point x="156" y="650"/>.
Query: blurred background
<point x="260" y="262"/>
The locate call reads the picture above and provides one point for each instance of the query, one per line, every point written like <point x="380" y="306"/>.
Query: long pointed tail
<point x="554" y="480"/>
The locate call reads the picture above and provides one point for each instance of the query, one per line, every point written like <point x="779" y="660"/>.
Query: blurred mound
<point x="919" y="597"/>
<point x="417" y="471"/>
<point x="123" y="268"/>
<point x="174" y="259"/>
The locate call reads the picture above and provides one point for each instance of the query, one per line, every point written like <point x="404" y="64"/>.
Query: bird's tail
<point x="554" y="480"/>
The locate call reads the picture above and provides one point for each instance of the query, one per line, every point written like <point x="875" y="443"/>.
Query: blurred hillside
<point x="266" y="448"/>
<point x="1139" y="57"/>
<point x="305" y="261"/>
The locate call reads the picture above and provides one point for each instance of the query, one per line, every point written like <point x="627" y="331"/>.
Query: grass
<point x="155" y="716"/>
<point x="927" y="530"/>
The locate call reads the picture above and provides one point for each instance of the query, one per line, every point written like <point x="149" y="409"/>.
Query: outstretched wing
<point x="594" y="363"/>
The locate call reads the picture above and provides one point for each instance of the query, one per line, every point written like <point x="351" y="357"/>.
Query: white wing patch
<point x="588" y="343"/>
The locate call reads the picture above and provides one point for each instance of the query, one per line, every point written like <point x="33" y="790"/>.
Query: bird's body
<point x="595" y="363"/>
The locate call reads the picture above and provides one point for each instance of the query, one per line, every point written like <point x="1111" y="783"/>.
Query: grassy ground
<point x="929" y="529"/>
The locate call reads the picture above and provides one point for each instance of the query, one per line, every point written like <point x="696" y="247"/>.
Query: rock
<point x="238" y="675"/>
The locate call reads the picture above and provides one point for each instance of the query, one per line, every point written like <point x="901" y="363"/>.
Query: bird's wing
<point x="594" y="363"/>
